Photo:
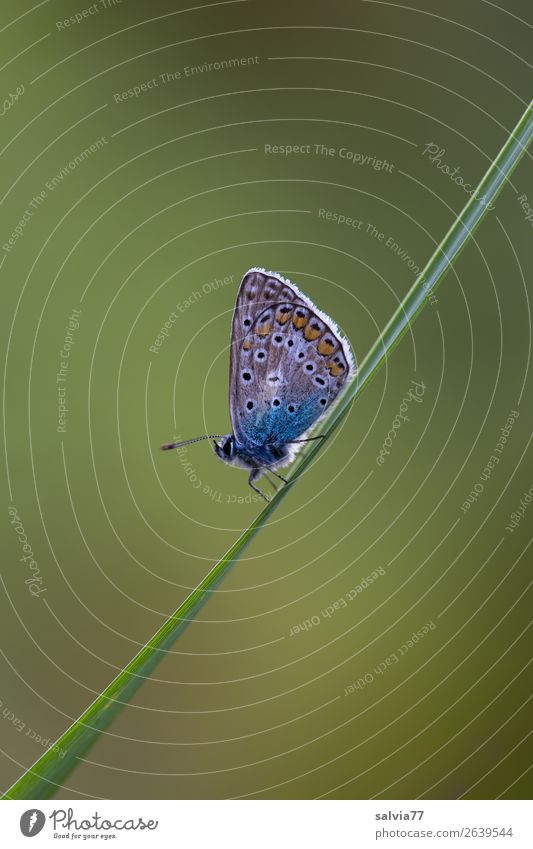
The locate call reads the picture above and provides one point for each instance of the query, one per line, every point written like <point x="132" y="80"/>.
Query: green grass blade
<point x="49" y="771"/>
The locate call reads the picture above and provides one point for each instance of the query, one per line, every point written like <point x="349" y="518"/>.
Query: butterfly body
<point x="288" y="363"/>
<point x="250" y="455"/>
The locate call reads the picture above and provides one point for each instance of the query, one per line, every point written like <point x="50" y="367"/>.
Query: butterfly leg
<point x="279" y="476"/>
<point x="272" y="482"/>
<point x="252" y="476"/>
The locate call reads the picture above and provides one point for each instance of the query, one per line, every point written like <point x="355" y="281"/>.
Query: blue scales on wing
<point x="287" y="363"/>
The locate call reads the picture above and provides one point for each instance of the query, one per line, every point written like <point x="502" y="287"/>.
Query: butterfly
<point x="288" y="363"/>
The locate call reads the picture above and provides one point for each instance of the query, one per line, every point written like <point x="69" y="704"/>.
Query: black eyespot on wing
<point x="301" y="355"/>
<point x="260" y="355"/>
<point x="309" y="367"/>
<point x="249" y="405"/>
<point x="276" y="402"/>
<point x="315" y="326"/>
<point x="291" y="408"/>
<point x="278" y="338"/>
<point x="246" y="375"/>
<point x="320" y="381"/>
<point x="290" y="343"/>
<point x="323" y="401"/>
<point x="247" y="322"/>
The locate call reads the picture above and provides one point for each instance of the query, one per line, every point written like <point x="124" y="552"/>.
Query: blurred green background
<point x="165" y="214"/>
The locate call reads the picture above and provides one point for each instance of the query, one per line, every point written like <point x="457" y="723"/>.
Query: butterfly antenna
<point x="168" y="445"/>
<point x="311" y="439"/>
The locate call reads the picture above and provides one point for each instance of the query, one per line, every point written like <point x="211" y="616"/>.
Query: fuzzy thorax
<point x="253" y="456"/>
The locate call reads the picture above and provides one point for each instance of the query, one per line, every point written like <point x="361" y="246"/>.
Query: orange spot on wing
<point x="325" y="348"/>
<point x="311" y="334"/>
<point x="247" y="345"/>
<point x="264" y="329"/>
<point x="299" y="321"/>
<point x="333" y="369"/>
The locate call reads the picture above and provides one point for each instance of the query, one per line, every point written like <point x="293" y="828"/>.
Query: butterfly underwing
<point x="288" y="363"/>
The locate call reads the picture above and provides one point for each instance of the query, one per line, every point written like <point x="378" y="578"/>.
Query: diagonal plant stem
<point x="42" y="779"/>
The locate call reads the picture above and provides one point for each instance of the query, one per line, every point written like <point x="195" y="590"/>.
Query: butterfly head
<point x="226" y="448"/>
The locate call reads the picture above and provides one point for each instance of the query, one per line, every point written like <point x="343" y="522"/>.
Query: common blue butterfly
<point x="288" y="363"/>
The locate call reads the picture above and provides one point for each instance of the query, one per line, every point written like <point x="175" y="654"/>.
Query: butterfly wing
<point x="288" y="361"/>
<point x="258" y="290"/>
